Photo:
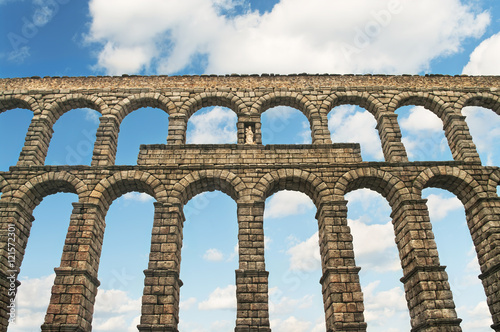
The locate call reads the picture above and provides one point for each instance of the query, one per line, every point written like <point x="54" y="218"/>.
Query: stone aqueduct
<point x="249" y="173"/>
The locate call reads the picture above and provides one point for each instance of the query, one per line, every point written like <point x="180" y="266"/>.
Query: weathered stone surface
<point x="249" y="173"/>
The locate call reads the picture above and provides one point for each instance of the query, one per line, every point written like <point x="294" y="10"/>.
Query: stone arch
<point x="57" y="108"/>
<point x="291" y="99"/>
<point x="450" y="178"/>
<point x="134" y="102"/>
<point x="292" y="179"/>
<point x="206" y="180"/>
<point x="385" y="183"/>
<point x="361" y="99"/>
<point x="19" y="101"/>
<point x="299" y="102"/>
<point x="31" y="193"/>
<point x="207" y="99"/>
<point x="122" y="182"/>
<point x="431" y="102"/>
<point x="481" y="99"/>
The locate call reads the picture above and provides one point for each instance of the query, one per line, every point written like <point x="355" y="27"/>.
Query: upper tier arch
<point x="431" y="102"/>
<point x="19" y="101"/>
<point x="207" y="99"/>
<point x="481" y="99"/>
<point x="73" y="101"/>
<point x="134" y="102"/>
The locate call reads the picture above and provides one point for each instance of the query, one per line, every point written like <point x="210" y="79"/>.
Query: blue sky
<point x="148" y="37"/>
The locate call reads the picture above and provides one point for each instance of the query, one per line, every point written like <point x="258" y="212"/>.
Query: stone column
<point x="483" y="219"/>
<point x="15" y="226"/>
<point x="320" y="133"/>
<point x="390" y="137"/>
<point x="177" y="126"/>
<point x="251" y="277"/>
<point x="459" y="139"/>
<point x="75" y="286"/>
<point x="36" y="143"/>
<point x="342" y="296"/>
<point x="106" y="141"/>
<point x="160" y="302"/>
<point x="428" y="293"/>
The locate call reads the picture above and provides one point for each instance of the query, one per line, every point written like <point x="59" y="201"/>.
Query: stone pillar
<point x="106" y="141"/>
<point x="36" y="143"/>
<point x="428" y="293"/>
<point x="160" y="302"/>
<point x="319" y="129"/>
<point x="251" y="277"/>
<point x="483" y="219"/>
<point x="390" y="137"/>
<point x="15" y="226"/>
<point x="177" y="126"/>
<point x="75" y="286"/>
<point x="459" y="139"/>
<point x="342" y="296"/>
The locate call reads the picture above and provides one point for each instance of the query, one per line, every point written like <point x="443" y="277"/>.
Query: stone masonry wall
<point x="249" y="172"/>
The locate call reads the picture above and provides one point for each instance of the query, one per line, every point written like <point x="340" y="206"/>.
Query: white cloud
<point x="439" y="206"/>
<point x="291" y="324"/>
<point x="347" y="124"/>
<point x="35" y="288"/>
<point x="115" y="311"/>
<point x="374" y="246"/>
<point x="114" y="323"/>
<point x="305" y="256"/>
<point x="286" y="202"/>
<point x="281" y="305"/>
<point x="220" y="298"/>
<point x="484" y="59"/>
<point x="347" y="37"/>
<point x="479" y="318"/>
<point x="213" y="255"/>
<point x="188" y="304"/>
<point x="92" y="115"/>
<point x="31" y="314"/>
<point x="215" y="126"/>
<point x="387" y="308"/>
<point x="138" y="197"/>
<point x="116" y="301"/>
<point x="484" y="126"/>
<point x="419" y="118"/>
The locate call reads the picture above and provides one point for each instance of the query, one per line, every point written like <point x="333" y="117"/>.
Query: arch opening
<point x="484" y="126"/>
<point x="212" y="125"/>
<point x="74" y="137"/>
<point x="293" y="260"/>
<point x="208" y="294"/>
<point x="376" y="253"/>
<point x="124" y="257"/>
<point x="43" y="254"/>
<point x="285" y="125"/>
<point x="457" y="253"/>
<point x="14" y="125"/>
<point x="353" y="124"/>
<point x="142" y="126"/>
<point x="422" y="134"/>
